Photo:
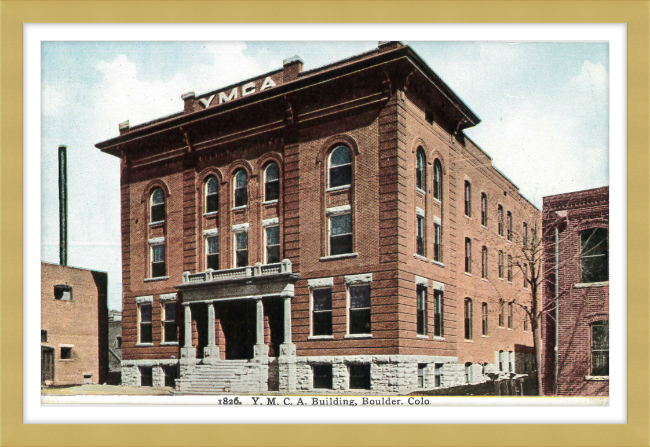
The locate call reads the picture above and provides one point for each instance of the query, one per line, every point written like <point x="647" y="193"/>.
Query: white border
<point x="34" y="412"/>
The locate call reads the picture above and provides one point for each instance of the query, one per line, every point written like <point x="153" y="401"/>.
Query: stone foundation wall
<point x="131" y="371"/>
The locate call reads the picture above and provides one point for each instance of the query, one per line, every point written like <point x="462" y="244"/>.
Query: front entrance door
<point x="238" y="325"/>
<point x="47" y="364"/>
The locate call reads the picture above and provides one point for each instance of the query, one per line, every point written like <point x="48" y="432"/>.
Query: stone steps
<point x="229" y="376"/>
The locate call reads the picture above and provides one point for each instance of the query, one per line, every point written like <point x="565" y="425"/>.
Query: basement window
<point x="171" y="374"/>
<point x="360" y="376"/>
<point x="63" y="292"/>
<point x="322" y="376"/>
<point x="421" y="367"/>
<point x="66" y="353"/>
<point x="146" y="376"/>
<point x="43" y="335"/>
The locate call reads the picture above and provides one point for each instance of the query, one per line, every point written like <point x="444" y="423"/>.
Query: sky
<point x="544" y="111"/>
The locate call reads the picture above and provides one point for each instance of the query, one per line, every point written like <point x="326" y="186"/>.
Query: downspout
<point x="557" y="294"/>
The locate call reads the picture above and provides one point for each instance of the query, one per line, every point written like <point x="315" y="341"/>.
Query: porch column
<point x="211" y="351"/>
<point x="261" y="350"/>
<point x="287" y="319"/>
<point x="188" y="352"/>
<point x="287" y="358"/>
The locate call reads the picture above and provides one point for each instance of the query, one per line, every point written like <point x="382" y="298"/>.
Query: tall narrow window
<point x="484" y="212"/>
<point x="438" y="321"/>
<point x="525" y="274"/>
<point x="241" y="188"/>
<point x="500" y="219"/>
<point x="510" y="268"/>
<point x="468" y="199"/>
<point x="509" y="226"/>
<point x="600" y="348"/>
<point x="437" y="242"/>
<point x="169" y="323"/>
<point x="484" y="262"/>
<point x="593" y="256"/>
<point x="212" y="252"/>
<point x="484" y="326"/>
<point x="502" y="361"/>
<point x="241" y="248"/>
<point x="438" y="375"/>
<point x="211" y="195"/>
<point x="526" y="318"/>
<point x="157" y="206"/>
<point x="510" y="314"/>
<point x="468" y="255"/>
<point x="501" y="264"/>
<point x="322" y="311"/>
<point x="271" y="182"/>
<point x="468" y="319"/>
<point x="272" y="245"/>
<point x="525" y="235"/>
<point x="340" y="234"/>
<point x="501" y="312"/>
<point x="145" y="324"/>
<point x="422" y="309"/>
<point x="420" y="173"/>
<point x="340" y="167"/>
<point x="437" y="180"/>
<point x="420" y="235"/>
<point x="359" y="312"/>
<point x="158" y="264"/>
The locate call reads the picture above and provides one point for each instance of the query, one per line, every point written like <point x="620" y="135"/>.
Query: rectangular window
<point x="500" y="219"/>
<point x="501" y="264"/>
<point x="422" y="309"/>
<point x="66" y="353"/>
<point x="322" y="376"/>
<point x="169" y="322"/>
<point x="501" y="312"/>
<point x="510" y="268"/>
<point x="145" y="324"/>
<point x="468" y="199"/>
<point x="525" y="234"/>
<point x="241" y="249"/>
<point x="593" y="256"/>
<point x="212" y="252"/>
<point x="468" y="255"/>
<point x="484" y="213"/>
<point x="438" y="375"/>
<point x="420" y="235"/>
<point x="512" y="361"/>
<point x="359" y="309"/>
<point x="437" y="243"/>
<point x="484" y="263"/>
<point x="360" y="376"/>
<point x="437" y="314"/>
<point x="484" y="328"/>
<point x="600" y="348"/>
<point x="146" y="376"/>
<point x="322" y="311"/>
<point x="525" y="318"/>
<point x="272" y="245"/>
<point x="468" y="319"/>
<point x="510" y="315"/>
<point x="118" y="342"/>
<point x="421" y="368"/>
<point x="525" y="272"/>
<point x="502" y="361"/>
<point x="63" y="292"/>
<point x="509" y="226"/>
<point x="340" y="234"/>
<point x="171" y="374"/>
<point x="43" y="336"/>
<point x="158" y="267"/>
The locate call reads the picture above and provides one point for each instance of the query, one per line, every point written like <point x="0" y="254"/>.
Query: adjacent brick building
<point x="323" y="229"/>
<point x="74" y="325"/>
<point x="579" y="222"/>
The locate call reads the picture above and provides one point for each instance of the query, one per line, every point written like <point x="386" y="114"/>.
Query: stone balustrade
<point x="256" y="270"/>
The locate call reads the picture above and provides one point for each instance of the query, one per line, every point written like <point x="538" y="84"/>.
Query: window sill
<point x="169" y="343"/>
<point x="597" y="378"/>
<point x="468" y="217"/>
<point x="357" y="336"/>
<point x="270" y="202"/>
<point x="484" y="336"/>
<point x="484" y="279"/>
<point x="66" y="360"/>
<point x="423" y="337"/>
<point x="338" y="188"/>
<point x="421" y="191"/>
<point x="501" y="279"/>
<point x="468" y="274"/>
<point x="320" y="337"/>
<point x="510" y="329"/>
<point x="144" y="344"/>
<point x="484" y="227"/>
<point x="343" y="256"/>
<point x="469" y="341"/>
<point x="240" y="208"/>
<point x="420" y="257"/>
<point x="160" y="222"/>
<point x="160" y="278"/>
<point x="437" y="201"/>
<point x="438" y="338"/>
<point x="583" y="285"/>
<point x="511" y="283"/>
<point x="438" y="263"/>
<point x="211" y="213"/>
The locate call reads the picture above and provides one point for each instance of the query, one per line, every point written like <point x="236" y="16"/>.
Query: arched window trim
<point x="330" y="167"/>
<point x="269" y="188"/>
<point x="160" y="209"/>
<point x="211" y="200"/>
<point x="240" y="194"/>
<point x="437" y="180"/>
<point x="421" y="170"/>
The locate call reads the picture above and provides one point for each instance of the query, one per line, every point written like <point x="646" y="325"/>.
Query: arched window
<point x="509" y="226"/>
<point x="484" y="213"/>
<point x="500" y="219"/>
<point x="157" y="203"/>
<point x="468" y="199"/>
<point x="211" y="195"/>
<point x="420" y="173"/>
<point x="340" y="167"/>
<point x="241" y="188"/>
<point x="468" y="255"/>
<point x="484" y="262"/>
<point x="271" y="182"/>
<point x="437" y="180"/>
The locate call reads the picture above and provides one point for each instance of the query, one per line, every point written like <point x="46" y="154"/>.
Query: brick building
<point x="74" y="325"/>
<point x="323" y="229"/>
<point x="576" y="247"/>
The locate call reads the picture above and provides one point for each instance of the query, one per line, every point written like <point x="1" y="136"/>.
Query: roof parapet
<point x="292" y="68"/>
<point x="124" y="127"/>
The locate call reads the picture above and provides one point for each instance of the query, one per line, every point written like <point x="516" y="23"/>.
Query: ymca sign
<point x="246" y="89"/>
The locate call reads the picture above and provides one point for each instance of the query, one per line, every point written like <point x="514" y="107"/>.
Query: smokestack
<point x="63" y="206"/>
